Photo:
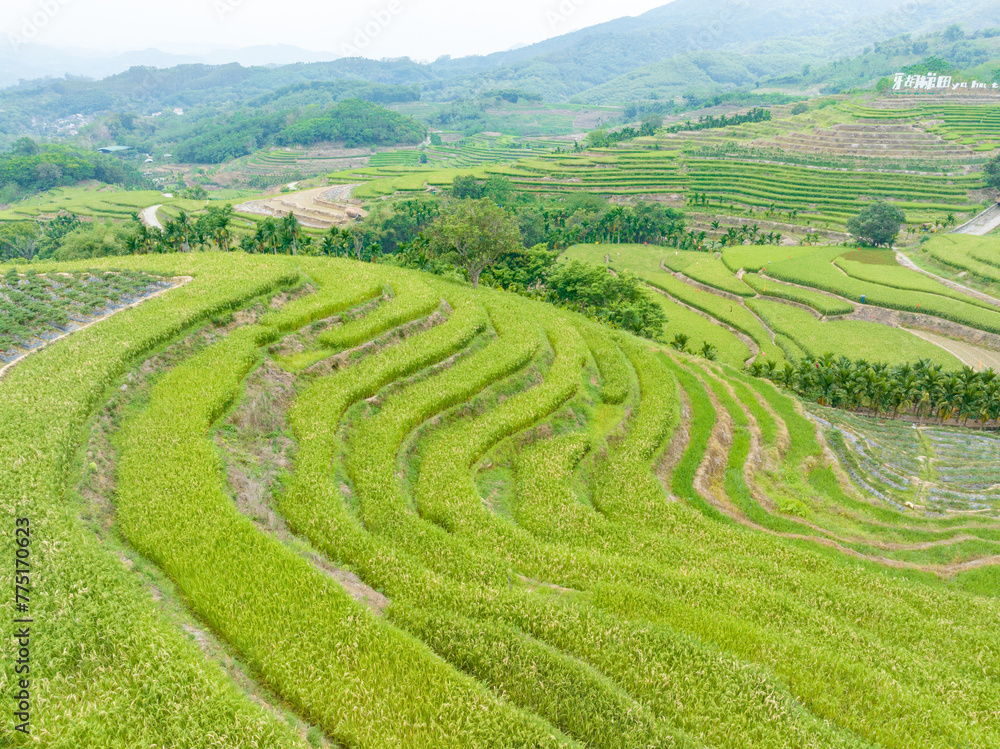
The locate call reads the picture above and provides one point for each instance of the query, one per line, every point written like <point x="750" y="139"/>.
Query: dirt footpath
<point x="973" y="356"/>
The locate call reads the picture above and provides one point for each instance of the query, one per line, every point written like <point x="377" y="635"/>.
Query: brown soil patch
<point x="712" y="469"/>
<point x="678" y="444"/>
<point x="257" y="453"/>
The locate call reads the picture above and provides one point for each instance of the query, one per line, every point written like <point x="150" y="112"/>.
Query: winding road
<point x="907" y="263"/>
<point x="973" y="356"/>
<point x="148" y="217"/>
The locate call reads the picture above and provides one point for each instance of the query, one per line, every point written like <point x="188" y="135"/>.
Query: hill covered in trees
<point x="31" y="168"/>
<point x="354" y="122"/>
<point x="684" y="46"/>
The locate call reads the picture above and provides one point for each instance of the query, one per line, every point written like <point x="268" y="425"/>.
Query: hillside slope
<point x="496" y="524"/>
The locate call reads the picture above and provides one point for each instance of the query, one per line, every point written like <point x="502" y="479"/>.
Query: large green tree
<point x="474" y="234"/>
<point x="878" y="224"/>
<point x="993" y="173"/>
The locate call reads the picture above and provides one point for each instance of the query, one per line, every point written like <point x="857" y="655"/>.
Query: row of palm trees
<point x="644" y="223"/>
<point x="271" y="235"/>
<point x="921" y="390"/>
<point x="709" y="122"/>
<point x="184" y="233"/>
<point x="745" y="234"/>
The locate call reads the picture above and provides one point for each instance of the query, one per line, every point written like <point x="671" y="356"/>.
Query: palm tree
<point x="267" y="235"/>
<point x="903" y="393"/>
<point x="949" y="398"/>
<point x="291" y="232"/>
<point x="222" y="237"/>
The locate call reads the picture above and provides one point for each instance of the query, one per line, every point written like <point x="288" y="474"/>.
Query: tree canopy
<point x="474" y="234"/>
<point x="878" y="224"/>
<point x="993" y="173"/>
<point x="353" y="122"/>
<point x="616" y="300"/>
<point x="32" y="168"/>
<point x="356" y="123"/>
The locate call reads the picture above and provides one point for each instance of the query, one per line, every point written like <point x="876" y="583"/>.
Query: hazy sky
<point x="422" y="29"/>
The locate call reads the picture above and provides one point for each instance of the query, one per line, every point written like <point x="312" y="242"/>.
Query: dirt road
<point x="973" y="356"/>
<point x="907" y="263"/>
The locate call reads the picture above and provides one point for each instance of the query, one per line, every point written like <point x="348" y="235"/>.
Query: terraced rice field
<point x="973" y="123"/>
<point x="298" y="163"/>
<point x="892" y="141"/>
<point x="407" y="513"/>
<point x="395" y="158"/>
<point x="789" y="302"/>
<point x="489" y="150"/>
<point x="399" y="172"/>
<point x="892" y="287"/>
<point x="865" y="340"/>
<point x="824" y="197"/>
<point x="104" y="203"/>
<point x="977" y="257"/>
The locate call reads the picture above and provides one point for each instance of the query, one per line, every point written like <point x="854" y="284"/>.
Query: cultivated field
<point x="309" y="499"/>
<point x="790" y="302"/>
<point x="319" y="208"/>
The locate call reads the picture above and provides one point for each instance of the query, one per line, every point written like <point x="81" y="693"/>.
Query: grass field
<point x="471" y="520"/>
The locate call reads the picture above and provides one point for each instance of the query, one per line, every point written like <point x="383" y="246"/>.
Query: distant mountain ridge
<point x="34" y="61"/>
<point x="687" y="44"/>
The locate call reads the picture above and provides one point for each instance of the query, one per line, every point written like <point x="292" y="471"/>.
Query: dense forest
<point x="953" y="50"/>
<point x="31" y="168"/>
<point x="354" y="122"/>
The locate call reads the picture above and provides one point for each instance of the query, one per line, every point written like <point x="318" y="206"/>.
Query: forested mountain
<point x="684" y="46"/>
<point x="353" y="122"/>
<point x="950" y="52"/>
<point x="30" y="168"/>
<point x="918" y="29"/>
<point x="25" y="61"/>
